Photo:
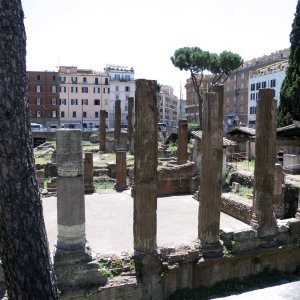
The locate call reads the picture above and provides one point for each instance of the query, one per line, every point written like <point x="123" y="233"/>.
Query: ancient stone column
<point x="182" y="154"/>
<point x="72" y="252"/>
<point x="145" y="166"/>
<point x="117" y="130"/>
<point x="297" y="216"/>
<point x="102" y="137"/>
<point x="89" y="187"/>
<point x="278" y="198"/>
<point x="210" y="189"/>
<point x="263" y="219"/>
<point x="130" y="123"/>
<point x="121" y="171"/>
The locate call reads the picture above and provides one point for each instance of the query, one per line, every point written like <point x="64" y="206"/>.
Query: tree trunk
<point x="23" y="242"/>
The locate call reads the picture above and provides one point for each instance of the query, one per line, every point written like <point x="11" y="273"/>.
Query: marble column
<point x="182" y="153"/>
<point x="102" y="128"/>
<point x="145" y="167"/>
<point x="130" y="123"/>
<point x="263" y="219"/>
<point x="121" y="171"/>
<point x="117" y="130"/>
<point x="73" y="261"/>
<point x="210" y="189"/>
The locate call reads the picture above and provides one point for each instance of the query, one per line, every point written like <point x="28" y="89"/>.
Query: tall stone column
<point x="130" y="123"/>
<point x="182" y="153"/>
<point x="73" y="260"/>
<point x="210" y="189"/>
<point x="117" y="130"/>
<point x="102" y="138"/>
<point x="145" y="166"/>
<point x="278" y="198"/>
<point x="121" y="183"/>
<point x="89" y="187"/>
<point x="263" y="219"/>
<point x="297" y="216"/>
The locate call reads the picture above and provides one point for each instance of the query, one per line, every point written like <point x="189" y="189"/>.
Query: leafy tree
<point x="24" y="249"/>
<point x="289" y="108"/>
<point x="197" y="61"/>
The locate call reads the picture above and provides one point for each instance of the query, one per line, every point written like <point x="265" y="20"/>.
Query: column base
<point x="89" y="189"/>
<point x="77" y="268"/>
<point x="211" y="249"/>
<point x="121" y="188"/>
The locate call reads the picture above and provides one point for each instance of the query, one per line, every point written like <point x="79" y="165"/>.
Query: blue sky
<point x="144" y="34"/>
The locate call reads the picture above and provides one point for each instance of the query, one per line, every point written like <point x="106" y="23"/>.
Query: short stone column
<point x="89" y="187"/>
<point x="263" y="219"/>
<point x="130" y="124"/>
<point x="182" y="153"/>
<point x="73" y="260"/>
<point x="117" y="130"/>
<point x="145" y="166"/>
<point x="121" y="171"/>
<point x="102" y="128"/>
<point x="210" y="189"/>
<point x="278" y="198"/>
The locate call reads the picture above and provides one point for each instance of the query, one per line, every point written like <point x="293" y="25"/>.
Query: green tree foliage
<point x="196" y="61"/>
<point x="289" y="108"/>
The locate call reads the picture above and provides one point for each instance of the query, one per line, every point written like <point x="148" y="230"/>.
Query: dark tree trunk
<point x="23" y="242"/>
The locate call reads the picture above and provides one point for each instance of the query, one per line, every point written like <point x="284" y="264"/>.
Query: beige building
<point x="83" y="93"/>
<point x="167" y="106"/>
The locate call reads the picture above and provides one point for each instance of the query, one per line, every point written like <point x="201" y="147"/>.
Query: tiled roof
<point x="250" y="131"/>
<point x="226" y="142"/>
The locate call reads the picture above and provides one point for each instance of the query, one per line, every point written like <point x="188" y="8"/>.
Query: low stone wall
<point x="175" y="179"/>
<point x="243" y="177"/>
<point x="236" y="207"/>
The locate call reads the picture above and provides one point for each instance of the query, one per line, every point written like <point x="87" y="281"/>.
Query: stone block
<point x="236" y="187"/>
<point x="245" y="234"/>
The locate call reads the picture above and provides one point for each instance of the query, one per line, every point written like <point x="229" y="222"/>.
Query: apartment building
<point x="43" y="97"/>
<point x="122" y="86"/>
<point x="236" y="88"/>
<point x="167" y="106"/>
<point x="270" y="76"/>
<point x="192" y="102"/>
<point x="83" y="93"/>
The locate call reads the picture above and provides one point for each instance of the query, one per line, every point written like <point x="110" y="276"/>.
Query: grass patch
<point x="245" y="191"/>
<point x="104" y="185"/>
<point x="246" y="165"/>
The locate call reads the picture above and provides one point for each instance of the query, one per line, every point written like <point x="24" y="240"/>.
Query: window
<point x="264" y="84"/>
<point x="126" y="98"/>
<point x="84" y="89"/>
<point x="74" y="101"/>
<point x="106" y="90"/>
<point x="106" y="81"/>
<point x="53" y="77"/>
<point x="127" y="88"/>
<point x="62" y="114"/>
<point x="252" y="87"/>
<point x="68" y="70"/>
<point x="53" y="89"/>
<point x="84" y="114"/>
<point x="53" y="113"/>
<point x="117" y="88"/>
<point x="126" y="108"/>
<point x="74" y="79"/>
<point x="63" y="102"/>
<point x="38" y="89"/>
<point x="38" y="77"/>
<point x="38" y="114"/>
<point x="74" y="114"/>
<point x="53" y="101"/>
<point x="117" y="76"/>
<point x="117" y="97"/>
<point x="62" y="79"/>
<point x="252" y="110"/>
<point x="273" y="83"/>
<point x="257" y="85"/>
<point x="96" y="114"/>
<point x="84" y="101"/>
<point x="84" y="79"/>
<point x="38" y="101"/>
<point x="96" y="102"/>
<point x="63" y="89"/>
<point x="127" y="77"/>
<point x="74" y="89"/>
<point x="96" y="90"/>
<point x="257" y="96"/>
<point x="96" y="81"/>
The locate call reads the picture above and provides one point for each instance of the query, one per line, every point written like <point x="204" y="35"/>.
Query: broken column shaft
<point x="263" y="219"/>
<point x="130" y="123"/>
<point x="117" y="130"/>
<point x="211" y="173"/>
<point x="182" y="153"/>
<point x="121" y="171"/>
<point x="145" y="166"/>
<point x="102" y="137"/>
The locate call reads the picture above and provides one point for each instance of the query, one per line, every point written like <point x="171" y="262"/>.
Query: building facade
<point x="270" y="76"/>
<point x="43" y="97"/>
<point x="122" y="86"/>
<point x="83" y="93"/>
<point x="168" y="104"/>
<point x="236" y="88"/>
